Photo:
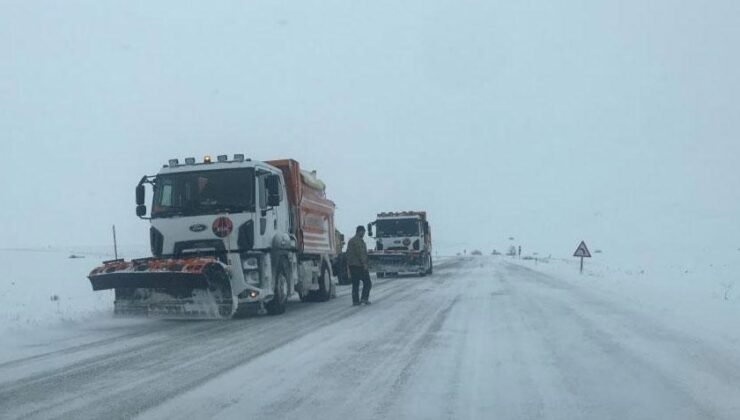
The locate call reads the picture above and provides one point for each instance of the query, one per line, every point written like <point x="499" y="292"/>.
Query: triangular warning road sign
<point x="582" y="251"/>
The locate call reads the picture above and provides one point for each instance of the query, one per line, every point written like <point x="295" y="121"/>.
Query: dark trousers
<point x="357" y="274"/>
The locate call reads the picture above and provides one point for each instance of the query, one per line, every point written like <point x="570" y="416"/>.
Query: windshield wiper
<point x="228" y="208"/>
<point x="169" y="213"/>
<point x="202" y="210"/>
<point x="218" y="208"/>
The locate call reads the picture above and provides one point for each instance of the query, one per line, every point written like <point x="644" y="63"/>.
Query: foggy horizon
<point x="613" y="123"/>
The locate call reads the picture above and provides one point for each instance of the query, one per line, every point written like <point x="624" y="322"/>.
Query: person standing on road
<point x="357" y="262"/>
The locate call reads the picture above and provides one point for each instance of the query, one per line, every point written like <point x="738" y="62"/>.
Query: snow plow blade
<point x="389" y="262"/>
<point x="196" y="287"/>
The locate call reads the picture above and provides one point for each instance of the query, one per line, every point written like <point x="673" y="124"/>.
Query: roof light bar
<point x="190" y="161"/>
<point x="222" y="158"/>
<point x="239" y="157"/>
<point x="174" y="162"/>
<point x="207" y="159"/>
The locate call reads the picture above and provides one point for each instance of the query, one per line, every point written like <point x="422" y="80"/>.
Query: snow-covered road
<point x="481" y="338"/>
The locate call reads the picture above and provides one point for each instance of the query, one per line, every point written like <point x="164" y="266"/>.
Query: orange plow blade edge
<point x="194" y="287"/>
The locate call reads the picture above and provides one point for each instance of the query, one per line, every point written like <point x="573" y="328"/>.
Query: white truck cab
<point x="247" y="232"/>
<point x="403" y="243"/>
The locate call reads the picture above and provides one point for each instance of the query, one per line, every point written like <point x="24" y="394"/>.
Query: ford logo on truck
<point x="198" y="227"/>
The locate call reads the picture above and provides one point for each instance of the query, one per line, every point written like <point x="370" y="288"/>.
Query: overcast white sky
<point x="611" y="121"/>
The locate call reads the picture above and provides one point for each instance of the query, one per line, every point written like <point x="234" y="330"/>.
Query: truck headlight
<point x="251" y="263"/>
<point x="252" y="277"/>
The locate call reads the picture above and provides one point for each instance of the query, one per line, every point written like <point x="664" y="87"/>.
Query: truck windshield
<point x="397" y="227"/>
<point x="204" y="192"/>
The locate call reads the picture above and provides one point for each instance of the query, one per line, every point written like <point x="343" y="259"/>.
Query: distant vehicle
<point x="403" y="243"/>
<point x="228" y="237"/>
<point x="476" y="252"/>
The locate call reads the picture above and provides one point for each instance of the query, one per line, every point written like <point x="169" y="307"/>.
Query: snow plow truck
<point x="228" y="237"/>
<point x="403" y="244"/>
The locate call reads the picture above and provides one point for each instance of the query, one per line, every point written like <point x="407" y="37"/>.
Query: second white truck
<point x="403" y="244"/>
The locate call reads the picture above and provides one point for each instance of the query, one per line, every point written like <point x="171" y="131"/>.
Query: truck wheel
<point x="341" y="269"/>
<point x="431" y="266"/>
<point x="342" y="279"/>
<point x="333" y="291"/>
<point x="325" y="285"/>
<point x="277" y="305"/>
<point x="341" y="272"/>
<point x="304" y="296"/>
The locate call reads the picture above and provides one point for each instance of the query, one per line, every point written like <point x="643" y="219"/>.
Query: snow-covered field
<point x="700" y="293"/>
<point x="45" y="287"/>
<point x="45" y="294"/>
<point x="484" y="337"/>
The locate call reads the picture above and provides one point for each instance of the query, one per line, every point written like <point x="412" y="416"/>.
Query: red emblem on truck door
<point x="222" y="227"/>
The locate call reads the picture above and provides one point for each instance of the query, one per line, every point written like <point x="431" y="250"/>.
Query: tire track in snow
<point x="419" y="345"/>
<point x="133" y="377"/>
<point x="190" y="347"/>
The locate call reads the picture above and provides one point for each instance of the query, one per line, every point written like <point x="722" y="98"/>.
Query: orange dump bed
<point x="312" y="212"/>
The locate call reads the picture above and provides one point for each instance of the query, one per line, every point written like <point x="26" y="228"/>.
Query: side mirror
<point x="141" y="210"/>
<point x="272" y="183"/>
<point x="140" y="195"/>
<point x="370" y="229"/>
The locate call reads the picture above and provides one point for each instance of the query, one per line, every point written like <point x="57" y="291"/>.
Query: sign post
<point x="115" y="243"/>
<point x="582" y="251"/>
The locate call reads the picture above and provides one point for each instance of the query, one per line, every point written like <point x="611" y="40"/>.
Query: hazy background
<point x="615" y="121"/>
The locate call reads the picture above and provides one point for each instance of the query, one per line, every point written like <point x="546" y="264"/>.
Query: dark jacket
<point x="357" y="252"/>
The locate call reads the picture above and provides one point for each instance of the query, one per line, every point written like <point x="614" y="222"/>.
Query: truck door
<point x="282" y="212"/>
<point x="267" y="217"/>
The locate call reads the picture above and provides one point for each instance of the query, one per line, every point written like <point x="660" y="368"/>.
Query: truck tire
<point x="431" y="266"/>
<point x="304" y="296"/>
<point x="427" y="268"/>
<point x="342" y="279"/>
<point x="325" y="285"/>
<point x="277" y="305"/>
<point x="341" y="272"/>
